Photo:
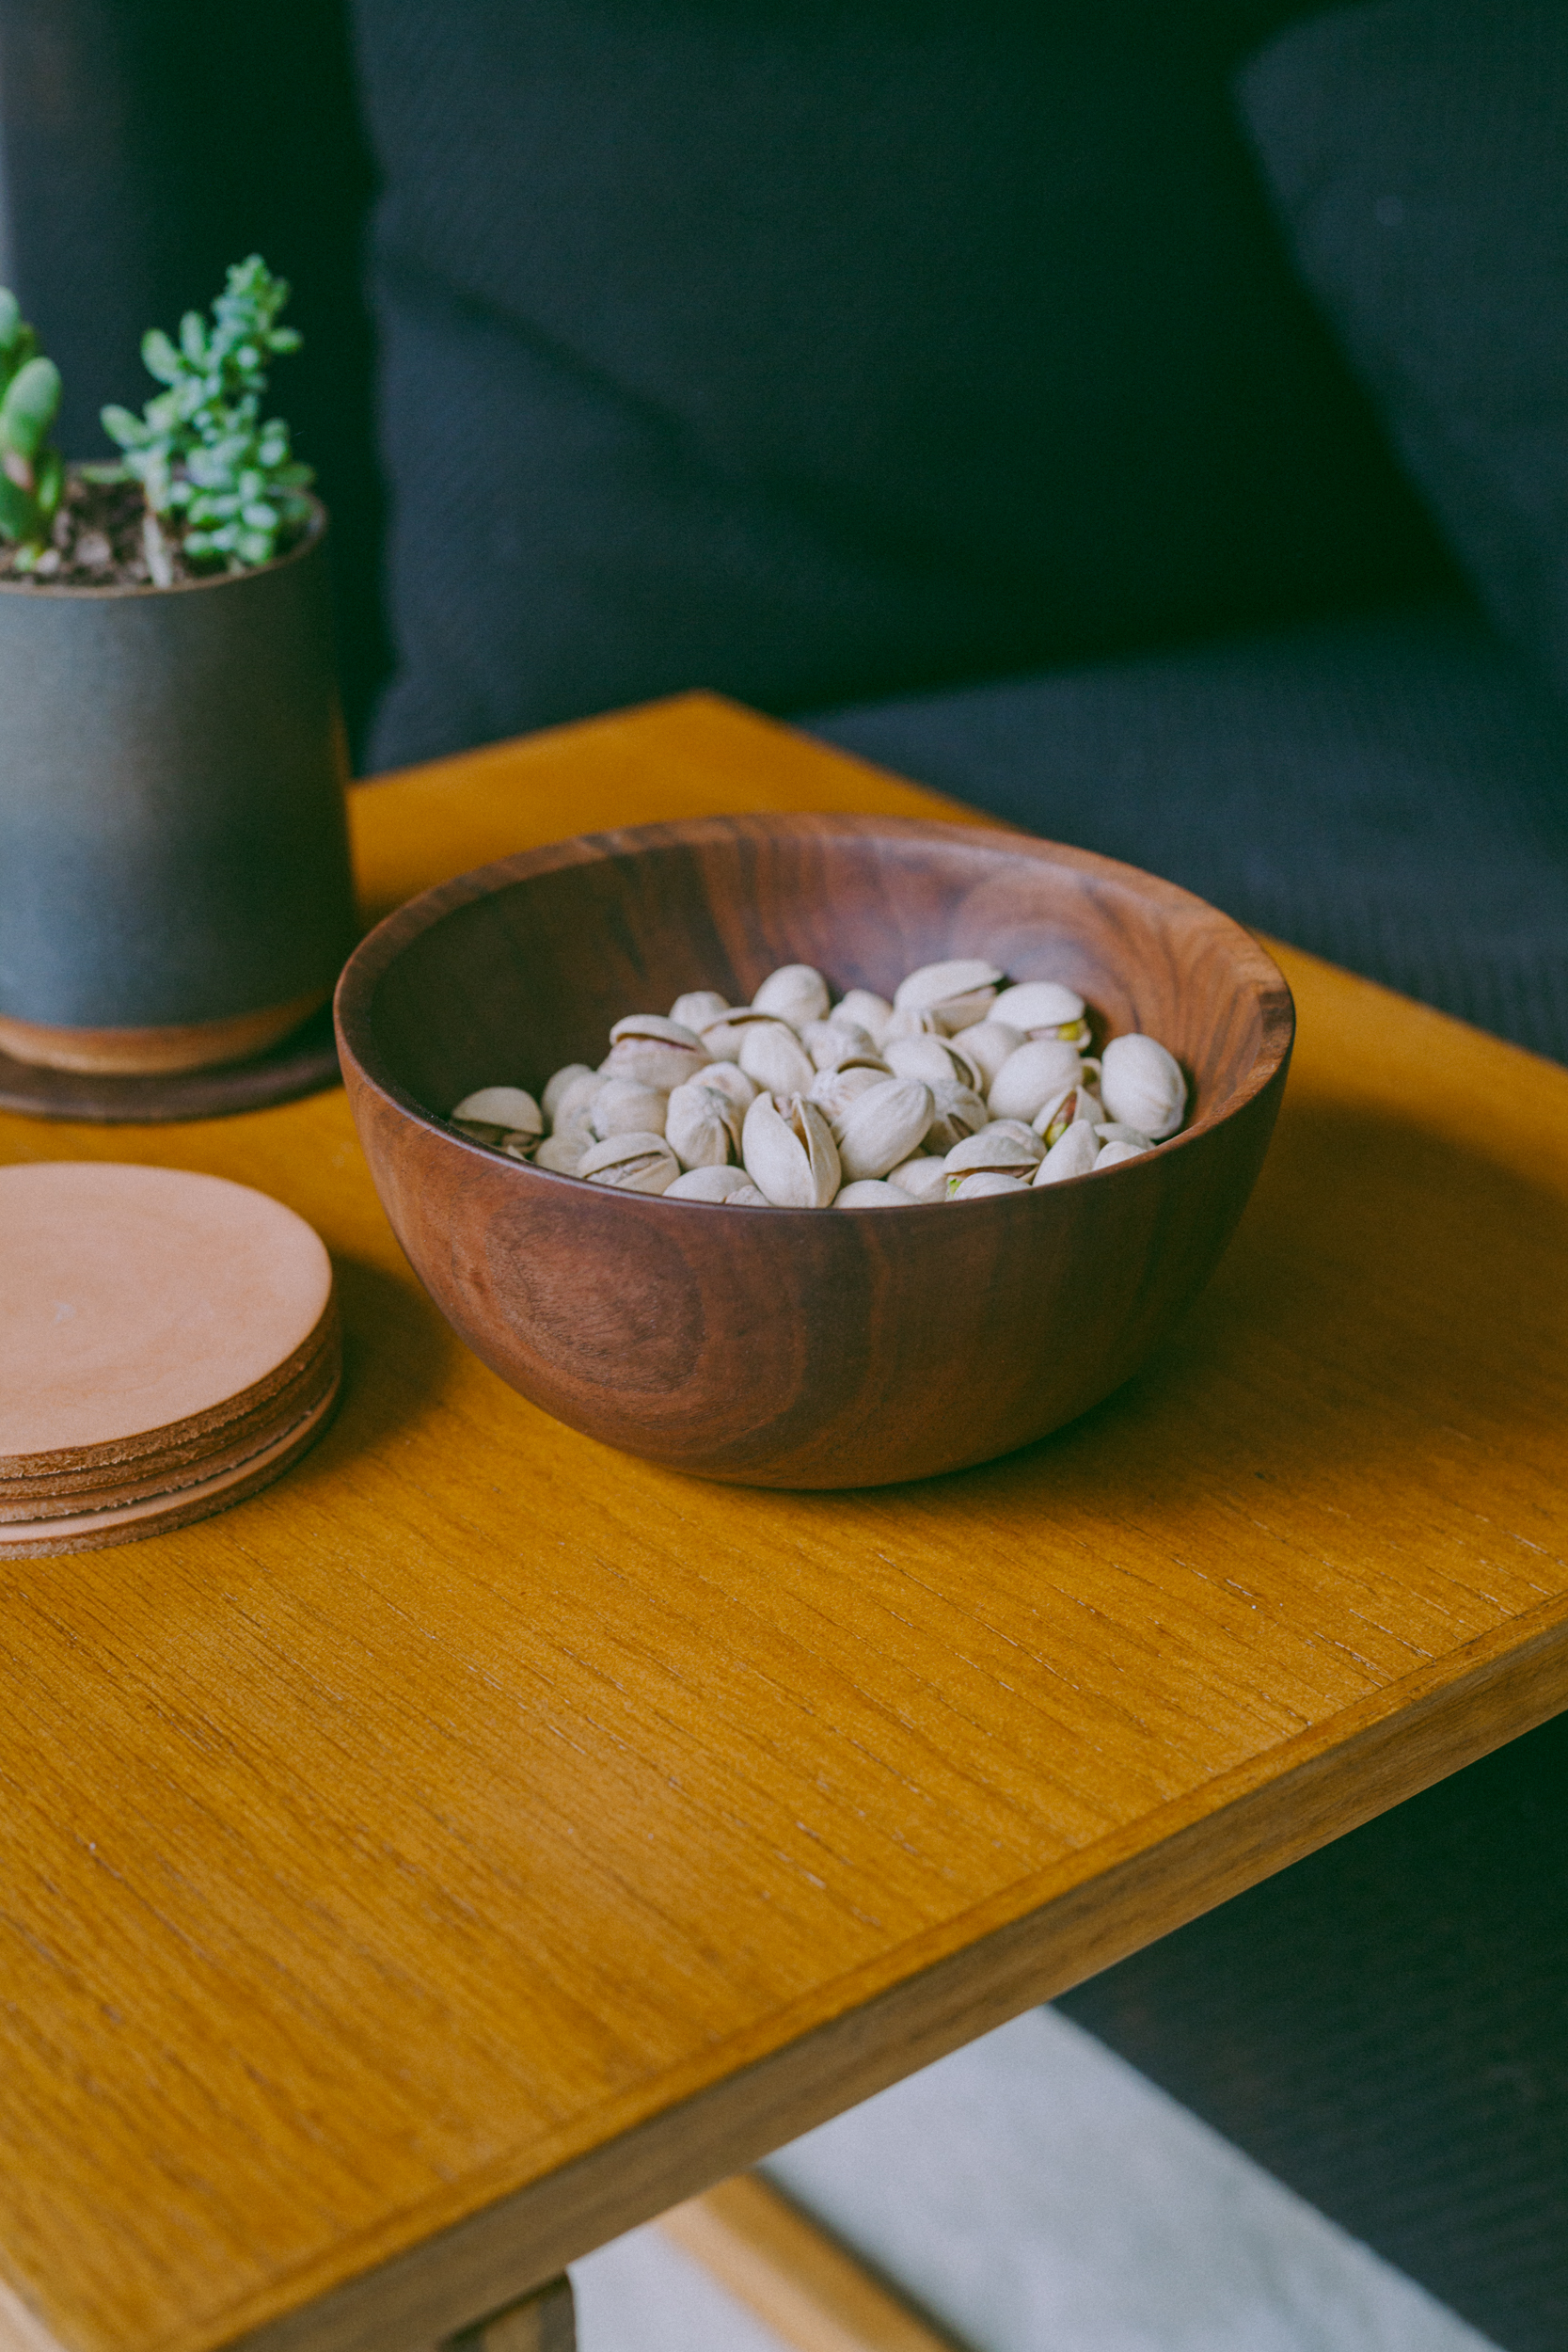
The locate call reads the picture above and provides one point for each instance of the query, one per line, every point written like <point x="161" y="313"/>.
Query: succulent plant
<point x="31" y="473"/>
<point x="220" y="480"/>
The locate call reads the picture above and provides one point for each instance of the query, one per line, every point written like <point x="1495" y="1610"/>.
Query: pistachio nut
<point x="1117" y="1131"/>
<point x="871" y="1192"/>
<point x="911" y="1021"/>
<point x="987" y="1044"/>
<point x="748" y="1197"/>
<point x="882" y="1127"/>
<point x="1019" y="1129"/>
<point x="709" y="1184"/>
<point x="625" y="1106"/>
<point x="795" y="993"/>
<point x="923" y="1177"/>
<point x="630" y="1163"/>
<point x="505" y="1116"/>
<point x="834" y="1090"/>
<point x="559" y="1086"/>
<point x="1113" y="1155"/>
<point x="700" y="1127"/>
<point x="728" y="1079"/>
<point x="957" y="993"/>
<point x="789" y="1154"/>
<point x="866" y="1010"/>
<point x="1054" y="1118"/>
<point x="932" y="1059"/>
<point x="573" y="1099"/>
<point x="1143" y="1085"/>
<point x="773" y="1055"/>
<point x="1002" y="1153"/>
<point x="957" y="1111"/>
<point x="1044" y="1009"/>
<point x="697" y="1008"/>
<point x="725" y="1036"/>
<point x="1028" y="1080"/>
<point x="830" y="1043"/>
<point x="660" y="1053"/>
<point x="560" y="1152"/>
<point x="1073" y="1153"/>
<point x="984" y="1185"/>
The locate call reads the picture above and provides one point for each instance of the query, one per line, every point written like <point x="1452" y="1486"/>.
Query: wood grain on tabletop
<point x="482" y="1840"/>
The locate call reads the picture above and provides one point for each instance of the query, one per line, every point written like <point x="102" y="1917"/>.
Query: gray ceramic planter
<point x="174" y="873"/>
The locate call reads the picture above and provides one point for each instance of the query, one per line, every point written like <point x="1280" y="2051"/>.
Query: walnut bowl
<point x="782" y="1347"/>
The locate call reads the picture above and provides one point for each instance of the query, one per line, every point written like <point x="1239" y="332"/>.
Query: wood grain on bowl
<point x="781" y="1347"/>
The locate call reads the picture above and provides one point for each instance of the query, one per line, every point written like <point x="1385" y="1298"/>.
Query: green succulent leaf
<point x="29" y="408"/>
<point x="11" y="319"/>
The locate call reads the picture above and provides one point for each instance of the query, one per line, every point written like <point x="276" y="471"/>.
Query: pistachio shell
<point x="922" y="1178"/>
<point x="722" y="1035"/>
<point x="1143" y="1085"/>
<point x="796" y="992"/>
<point x="911" y="1021"/>
<point x="507" y="1108"/>
<point x="1117" y="1131"/>
<point x="701" y="1128"/>
<point x="830" y="1043"/>
<point x="697" y="1008"/>
<point x="728" y="1079"/>
<point x="1019" y="1129"/>
<point x="868" y="1010"/>
<point x="882" y="1126"/>
<point x="625" y="1106"/>
<point x="747" y="1198"/>
<point x="834" y="1090"/>
<point x="789" y="1154"/>
<point x="869" y="1192"/>
<point x="1073" y="1153"/>
<point x="988" y="1043"/>
<point x="574" y="1098"/>
<point x="772" y="1055"/>
<point x="1113" y="1155"/>
<point x="989" y="1148"/>
<point x="957" y="993"/>
<point x="985" y="1185"/>
<point x="709" y="1184"/>
<point x="957" y="1111"/>
<point x="933" y="1058"/>
<point x="1039" y="1007"/>
<point x="1054" y="1118"/>
<point x="1030" y="1077"/>
<point x="660" y="1053"/>
<point x="562" y="1152"/>
<point x="558" y="1085"/>
<point x="630" y="1163"/>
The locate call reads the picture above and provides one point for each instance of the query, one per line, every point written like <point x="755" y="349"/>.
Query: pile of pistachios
<point x="961" y="1089"/>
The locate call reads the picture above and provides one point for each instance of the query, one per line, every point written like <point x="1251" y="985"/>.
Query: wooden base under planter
<point x="154" y="1052"/>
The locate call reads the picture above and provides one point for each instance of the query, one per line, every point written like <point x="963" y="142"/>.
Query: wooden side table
<point x="481" y="1841"/>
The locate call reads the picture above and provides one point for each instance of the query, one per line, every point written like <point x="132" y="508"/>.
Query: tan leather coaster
<point x="165" y="1339"/>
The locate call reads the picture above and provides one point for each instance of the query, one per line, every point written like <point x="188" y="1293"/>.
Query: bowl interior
<point x="506" y="975"/>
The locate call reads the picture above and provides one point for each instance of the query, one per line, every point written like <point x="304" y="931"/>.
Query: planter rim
<point x="122" y="591"/>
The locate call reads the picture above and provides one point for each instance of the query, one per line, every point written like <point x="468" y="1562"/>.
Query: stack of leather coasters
<point x="169" y="1343"/>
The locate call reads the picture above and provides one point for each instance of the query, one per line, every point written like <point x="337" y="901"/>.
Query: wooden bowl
<point x="799" y="1347"/>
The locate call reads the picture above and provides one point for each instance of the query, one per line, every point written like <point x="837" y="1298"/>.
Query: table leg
<point x="544" y="2321"/>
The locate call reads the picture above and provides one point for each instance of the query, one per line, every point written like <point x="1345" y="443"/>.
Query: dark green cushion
<point x="812" y="349"/>
<point x="1419" y="153"/>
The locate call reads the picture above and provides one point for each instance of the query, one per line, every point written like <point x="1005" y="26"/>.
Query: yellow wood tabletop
<point x="481" y="1841"/>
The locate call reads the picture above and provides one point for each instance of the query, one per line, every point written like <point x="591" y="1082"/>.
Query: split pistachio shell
<point x="789" y="1154"/>
<point x="701" y="1128"/>
<point x="933" y="1058"/>
<point x="1113" y="1155"/>
<point x="957" y="1111"/>
<point x="722" y="1035"/>
<point x="1143" y="1085"/>
<point x="1030" y="1077"/>
<point x="560" y="1152"/>
<point x="1003" y="1155"/>
<point x="501" y="1106"/>
<point x="987" y="1044"/>
<point x="697" y="1008"/>
<point x="1117" y="1131"/>
<point x="882" y="1127"/>
<point x="868" y="1010"/>
<point x="559" y="1086"/>
<point x="830" y="1043"/>
<point x="773" y="1055"/>
<point x="957" y="993"/>
<point x="1054" y="1118"/>
<point x="1073" y="1153"/>
<point x="922" y="1178"/>
<point x="911" y="1021"/>
<point x="1020" y="1130"/>
<point x="630" y="1163"/>
<point x="796" y="992"/>
<point x="710" y="1183"/>
<point x="985" y="1185"/>
<point x="747" y="1197"/>
<point x="625" y="1106"/>
<point x="870" y="1192"/>
<point x="1039" y="1008"/>
<point x="834" y="1090"/>
<point x="660" y="1053"/>
<point x="728" y="1079"/>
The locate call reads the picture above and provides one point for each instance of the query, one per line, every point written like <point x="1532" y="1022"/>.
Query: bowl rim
<point x="362" y="973"/>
